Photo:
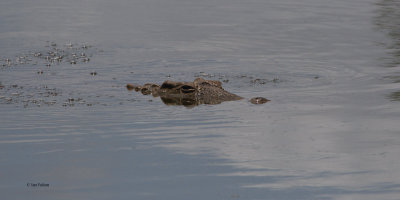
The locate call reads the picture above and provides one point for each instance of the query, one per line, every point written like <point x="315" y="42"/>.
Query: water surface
<point x="330" y="69"/>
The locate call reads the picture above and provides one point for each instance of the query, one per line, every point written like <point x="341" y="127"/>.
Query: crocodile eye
<point x="187" y="89"/>
<point x="167" y="85"/>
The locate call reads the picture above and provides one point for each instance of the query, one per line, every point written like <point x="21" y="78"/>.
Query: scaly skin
<point x="189" y="94"/>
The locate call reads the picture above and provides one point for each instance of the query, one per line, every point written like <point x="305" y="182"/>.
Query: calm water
<point x="330" y="68"/>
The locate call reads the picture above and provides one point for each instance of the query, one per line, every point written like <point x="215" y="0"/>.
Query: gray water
<point x="330" y="69"/>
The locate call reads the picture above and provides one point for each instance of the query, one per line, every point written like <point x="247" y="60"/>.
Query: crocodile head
<point x="188" y="94"/>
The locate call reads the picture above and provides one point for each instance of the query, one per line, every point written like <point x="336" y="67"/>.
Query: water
<point x="330" y="69"/>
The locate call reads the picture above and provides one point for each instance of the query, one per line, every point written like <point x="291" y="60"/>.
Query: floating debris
<point x="55" y="54"/>
<point x="259" y="100"/>
<point x="69" y="45"/>
<point x="259" y="81"/>
<point x="58" y="58"/>
<point x="38" y="96"/>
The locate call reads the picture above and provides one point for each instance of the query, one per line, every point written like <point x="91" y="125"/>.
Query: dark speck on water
<point x="330" y="69"/>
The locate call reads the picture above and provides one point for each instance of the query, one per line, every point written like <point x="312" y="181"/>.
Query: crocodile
<point x="189" y="94"/>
